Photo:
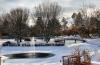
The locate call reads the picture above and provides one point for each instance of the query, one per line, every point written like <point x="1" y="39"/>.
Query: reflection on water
<point x="29" y="55"/>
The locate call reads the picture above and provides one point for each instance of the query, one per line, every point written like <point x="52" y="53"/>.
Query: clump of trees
<point x="86" y="24"/>
<point x="14" y="23"/>
<point x="47" y="23"/>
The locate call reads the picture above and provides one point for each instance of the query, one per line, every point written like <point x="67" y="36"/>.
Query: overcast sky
<point x="69" y="5"/>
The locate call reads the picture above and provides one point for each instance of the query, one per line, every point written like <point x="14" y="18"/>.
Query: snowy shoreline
<point x="59" y="51"/>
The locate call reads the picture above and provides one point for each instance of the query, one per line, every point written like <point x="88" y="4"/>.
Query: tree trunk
<point x="20" y="39"/>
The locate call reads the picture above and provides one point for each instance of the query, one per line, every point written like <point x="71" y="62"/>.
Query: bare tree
<point x="2" y="14"/>
<point x="16" y="20"/>
<point x="48" y="12"/>
<point x="64" y="23"/>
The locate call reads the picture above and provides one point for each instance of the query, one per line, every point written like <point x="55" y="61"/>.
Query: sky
<point x="70" y="6"/>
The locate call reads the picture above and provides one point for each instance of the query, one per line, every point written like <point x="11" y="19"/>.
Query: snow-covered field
<point x="91" y="45"/>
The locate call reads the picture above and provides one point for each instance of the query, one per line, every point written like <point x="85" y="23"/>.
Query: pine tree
<point x="39" y="27"/>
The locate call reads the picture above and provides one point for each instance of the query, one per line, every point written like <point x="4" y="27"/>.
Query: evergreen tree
<point x="39" y="27"/>
<point x="74" y="15"/>
<point x="54" y="26"/>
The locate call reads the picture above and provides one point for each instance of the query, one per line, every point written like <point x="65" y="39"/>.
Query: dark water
<point x="29" y="55"/>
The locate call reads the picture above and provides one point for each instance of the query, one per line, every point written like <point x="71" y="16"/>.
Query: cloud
<point x="69" y="5"/>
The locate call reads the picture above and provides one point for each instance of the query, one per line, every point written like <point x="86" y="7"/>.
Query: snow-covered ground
<point x="92" y="45"/>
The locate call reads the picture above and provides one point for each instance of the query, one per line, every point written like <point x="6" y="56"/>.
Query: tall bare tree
<point x="16" y="20"/>
<point x="48" y="12"/>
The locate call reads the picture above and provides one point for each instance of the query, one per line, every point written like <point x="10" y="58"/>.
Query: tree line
<point x="15" y="22"/>
<point x="47" y="24"/>
<point x="86" y="25"/>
